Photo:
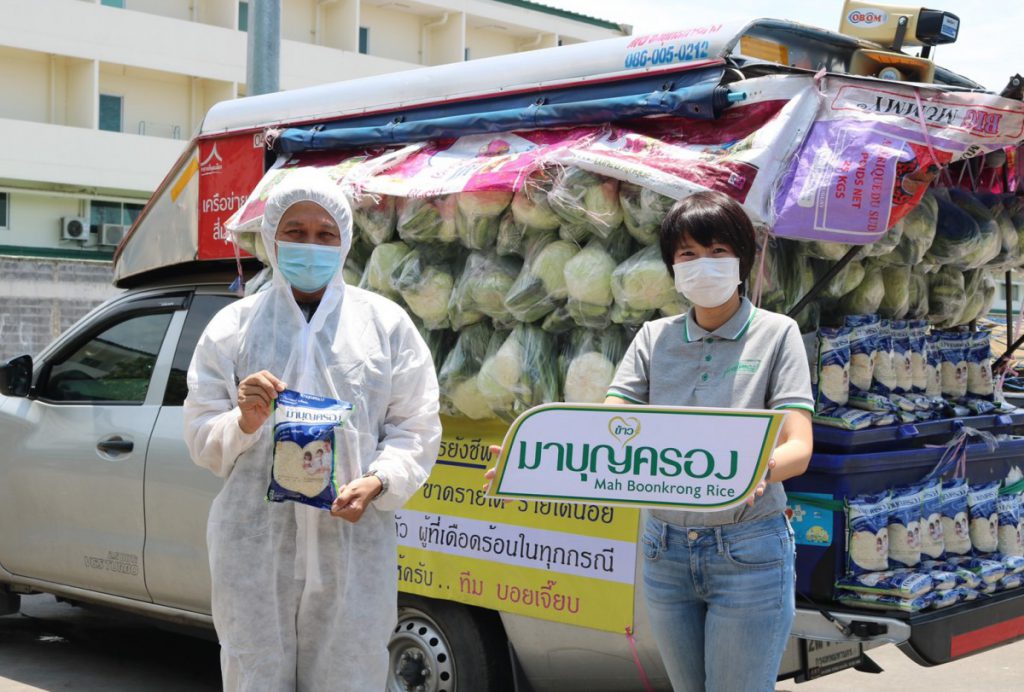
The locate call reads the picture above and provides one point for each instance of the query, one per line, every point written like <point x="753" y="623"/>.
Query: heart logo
<point x="624" y="429"/>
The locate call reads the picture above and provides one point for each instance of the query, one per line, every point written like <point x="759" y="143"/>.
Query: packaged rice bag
<point x="933" y="367"/>
<point x="868" y="533"/>
<point x="902" y="583"/>
<point x="833" y="369"/>
<point x="1010" y="581"/>
<point x="931" y="520"/>
<point x="918" y="332"/>
<point x="905" y="527"/>
<point x="956" y="537"/>
<point x="883" y="379"/>
<point x="979" y="366"/>
<point x="944" y="599"/>
<point x="863" y="344"/>
<point x="942" y="580"/>
<point x="953" y="359"/>
<point x="964" y="576"/>
<point x="984" y="517"/>
<point x="885" y="602"/>
<point x="901" y="357"/>
<point x="990" y="571"/>
<point x="967" y="594"/>
<point x="1014" y="564"/>
<point x="306" y="466"/>
<point x="845" y="418"/>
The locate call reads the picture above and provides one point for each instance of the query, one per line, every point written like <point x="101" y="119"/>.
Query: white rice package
<point x="990" y="571"/>
<point x="905" y="527"/>
<point x="868" y="533"/>
<point x="885" y="602"/>
<point x="984" y="517"/>
<point x="902" y="583"/>
<point x="956" y="537"/>
<point x="832" y="388"/>
<point x="931" y="521"/>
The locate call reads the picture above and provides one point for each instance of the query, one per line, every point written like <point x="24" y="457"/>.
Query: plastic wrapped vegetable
<point x="427" y="219"/>
<point x="352" y="272"/>
<point x="887" y="243"/>
<point x="511" y="238"/>
<point x="481" y="289"/>
<point x="438" y="341"/>
<point x="478" y="214"/>
<point x="848" y="278"/>
<point x="787" y="275"/>
<point x="460" y="391"/>
<point x="588" y="281"/>
<point x="375" y="217"/>
<point x="991" y="240"/>
<point x="558" y="321"/>
<point x="530" y="207"/>
<point x="820" y="249"/>
<point x="1010" y="248"/>
<point x="641" y="282"/>
<point x="866" y="298"/>
<point x="918" y="233"/>
<point x="540" y="286"/>
<point x="521" y="373"/>
<point x="629" y="317"/>
<point x="588" y="363"/>
<point x="424" y="280"/>
<point x="957" y="236"/>
<point x="380" y="267"/>
<point x="980" y="291"/>
<point x="917" y="290"/>
<point x="946" y="297"/>
<point x="896" y="301"/>
<point x="581" y="198"/>
<point x="642" y="211"/>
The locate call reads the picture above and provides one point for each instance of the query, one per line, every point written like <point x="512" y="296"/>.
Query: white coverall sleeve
<point x="412" y="427"/>
<point x="211" y="413"/>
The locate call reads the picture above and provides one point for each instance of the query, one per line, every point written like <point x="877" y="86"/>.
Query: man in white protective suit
<point x="303" y="598"/>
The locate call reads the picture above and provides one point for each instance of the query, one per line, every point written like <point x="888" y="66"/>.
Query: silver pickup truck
<point x="100" y="504"/>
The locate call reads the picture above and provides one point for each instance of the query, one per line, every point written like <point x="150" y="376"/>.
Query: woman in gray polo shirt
<point x="719" y="585"/>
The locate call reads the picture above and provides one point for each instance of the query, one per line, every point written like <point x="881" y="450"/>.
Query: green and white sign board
<point x="698" y="459"/>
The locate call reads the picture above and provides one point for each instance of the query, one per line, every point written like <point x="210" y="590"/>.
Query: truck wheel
<point x="440" y="646"/>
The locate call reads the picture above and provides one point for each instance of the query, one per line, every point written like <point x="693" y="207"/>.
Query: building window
<point x="243" y="16"/>
<point x="5" y="222"/>
<point x="113" y="3"/>
<point x="112" y="212"/>
<point x="111" y="112"/>
<point x="364" y="40"/>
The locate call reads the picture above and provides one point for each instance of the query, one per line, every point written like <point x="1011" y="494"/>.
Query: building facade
<point x="102" y="96"/>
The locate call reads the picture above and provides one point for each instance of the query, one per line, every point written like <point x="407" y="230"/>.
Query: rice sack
<point x="868" y="533"/>
<point x="918" y="337"/>
<point x="1010" y="581"/>
<point x="863" y="347"/>
<point x="942" y="580"/>
<point x="905" y="527"/>
<point x="979" y="366"/>
<point x="990" y="571"/>
<point x="984" y="517"/>
<point x="902" y="583"/>
<point x="845" y="418"/>
<point x="933" y="367"/>
<point x="306" y="468"/>
<point x="944" y="599"/>
<point x="1014" y="564"/>
<point x="931" y="521"/>
<point x="953" y="355"/>
<point x="832" y="375"/>
<point x="1010" y="543"/>
<point x="885" y="602"/>
<point x="956" y="537"/>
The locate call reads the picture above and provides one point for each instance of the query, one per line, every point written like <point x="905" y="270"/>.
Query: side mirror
<point x="16" y="376"/>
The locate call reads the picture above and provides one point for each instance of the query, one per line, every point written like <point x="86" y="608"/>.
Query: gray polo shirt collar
<point x="732" y="330"/>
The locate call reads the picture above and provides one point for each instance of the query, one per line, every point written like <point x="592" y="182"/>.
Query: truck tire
<point x="441" y="646"/>
<point x="10" y="603"/>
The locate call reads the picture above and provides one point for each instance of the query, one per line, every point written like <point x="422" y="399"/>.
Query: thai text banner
<point x="699" y="459"/>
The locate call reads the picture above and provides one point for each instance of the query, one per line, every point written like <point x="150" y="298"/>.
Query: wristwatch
<point x="383" y="482"/>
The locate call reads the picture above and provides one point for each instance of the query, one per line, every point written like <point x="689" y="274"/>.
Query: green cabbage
<point x="581" y="198"/>
<point x="588" y="362"/>
<point x="511" y="236"/>
<point x="380" y="267"/>
<point x="558" y="321"/>
<point x="991" y="240"/>
<point x="957" y="236"/>
<point x="642" y="211"/>
<point x="642" y="283"/>
<point x="946" y="299"/>
<point x="886" y="244"/>
<point x="457" y="378"/>
<point x="896" y="301"/>
<point x="478" y="215"/>
<point x="917" y="305"/>
<point x="427" y="219"/>
<point x="865" y="299"/>
<point x="375" y="218"/>
<point x="1010" y="245"/>
<point x="425" y="282"/>
<point x="530" y="206"/>
<point x="540" y="286"/>
<point x="481" y="289"/>
<point x="918" y="233"/>
<point x="521" y="373"/>
<point x="352" y="272"/>
<point x="786" y="278"/>
<point x="820" y="249"/>
<point x="848" y="278"/>
<point x="980" y="289"/>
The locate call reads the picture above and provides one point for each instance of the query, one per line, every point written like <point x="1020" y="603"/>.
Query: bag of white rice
<point x="902" y="583"/>
<point x="868" y="533"/>
<point x="990" y="571"/>
<point x="953" y="355"/>
<point x="956" y="537"/>
<point x="863" y="346"/>
<point x="832" y="386"/>
<point x="931" y="520"/>
<point x="885" y="602"/>
<point x="979" y="366"/>
<point x="984" y="517"/>
<point x="905" y="527"/>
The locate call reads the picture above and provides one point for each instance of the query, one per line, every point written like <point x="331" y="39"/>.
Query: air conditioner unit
<point x="74" y="228"/>
<point x="111" y="234"/>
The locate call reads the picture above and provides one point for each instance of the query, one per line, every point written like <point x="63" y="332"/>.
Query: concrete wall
<point x="39" y="299"/>
<point x="155" y="103"/>
<point x="393" y="35"/>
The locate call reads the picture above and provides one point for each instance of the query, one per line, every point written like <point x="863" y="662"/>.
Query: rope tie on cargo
<point x="644" y="680"/>
<point x="928" y="138"/>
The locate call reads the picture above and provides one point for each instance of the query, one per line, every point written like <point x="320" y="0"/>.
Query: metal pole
<point x="263" y="55"/>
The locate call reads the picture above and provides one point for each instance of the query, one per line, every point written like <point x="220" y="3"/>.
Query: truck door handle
<point x="115" y="445"/>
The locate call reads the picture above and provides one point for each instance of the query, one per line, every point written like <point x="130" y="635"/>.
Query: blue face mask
<point x="308" y="266"/>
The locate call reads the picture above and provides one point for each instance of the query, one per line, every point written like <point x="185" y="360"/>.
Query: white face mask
<point x="709" y="281"/>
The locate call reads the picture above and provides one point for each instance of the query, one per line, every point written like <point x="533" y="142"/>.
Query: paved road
<point x="53" y="646"/>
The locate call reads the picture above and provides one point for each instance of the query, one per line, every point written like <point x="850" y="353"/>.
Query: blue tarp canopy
<point x="695" y="94"/>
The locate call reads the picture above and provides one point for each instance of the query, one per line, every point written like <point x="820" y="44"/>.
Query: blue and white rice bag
<point x="306" y="467"/>
<point x="832" y="374"/>
<point x="944" y="599"/>
<point x="902" y="583"/>
<point x="932" y="546"/>
<point x="885" y="602"/>
<point x="1011" y="581"/>
<point x="905" y="527"/>
<point x="984" y="517"/>
<point x="1014" y="564"/>
<point x="956" y="536"/>
<point x="868" y="533"/>
<point x="979" y="366"/>
<point x="901" y="351"/>
<point x="990" y="571"/>
<point x="863" y="348"/>
<point x="1010" y="539"/>
<point x="943" y="581"/>
<point x="967" y="594"/>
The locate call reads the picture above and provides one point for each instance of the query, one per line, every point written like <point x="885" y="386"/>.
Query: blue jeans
<point x="720" y="601"/>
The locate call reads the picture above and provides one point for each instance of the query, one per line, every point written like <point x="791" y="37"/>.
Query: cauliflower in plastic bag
<point x="481" y="289"/>
<point x="427" y="219"/>
<point x="866" y="298"/>
<point x="424" y="280"/>
<point x="530" y="206"/>
<point x="375" y="217"/>
<point x="586" y="199"/>
<point x="540" y="286"/>
<point x="457" y="378"/>
<point x="521" y="373"/>
<point x="641" y="282"/>
<point x="478" y="215"/>
<point x="380" y="267"/>
<point x="946" y="297"/>
<point x="588" y="363"/>
<point x="642" y="211"/>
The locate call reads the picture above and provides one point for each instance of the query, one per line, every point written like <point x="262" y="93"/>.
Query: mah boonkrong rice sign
<point x="698" y="459"/>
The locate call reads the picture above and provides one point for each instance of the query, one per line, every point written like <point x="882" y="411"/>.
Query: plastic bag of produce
<point x="540" y="286"/>
<point x="352" y="272"/>
<point x="375" y="217"/>
<point x="824" y="250"/>
<point x="521" y="373"/>
<point x="1010" y="540"/>
<point x="953" y="347"/>
<point x="847" y="280"/>
<point x="514" y="237"/>
<point x="558" y="321"/>
<point x="919" y="228"/>
<point x="642" y="211"/>
<point x="584" y="199"/>
<point x="905" y="527"/>
<point x="957" y="236"/>
<point x="896" y="301"/>
<point x="425" y="279"/>
<point x="932" y="545"/>
<point x="588" y="280"/>
<point x="380" y="267"/>
<point x="478" y="214"/>
<point x="1010" y="248"/>
<point x="868" y="533"/>
<point x="641" y="282"/>
<point x="917" y="294"/>
<point x="460" y="392"/>
<point x="984" y="517"/>
<point x="868" y="296"/>
<point x="530" y="208"/>
<point x="832" y="375"/>
<point x="980" y="289"/>
<point x="887" y="243"/>
<point x="956" y="536"/>
<point x="979" y="365"/>
<point x="946" y="297"/>
<point x="990" y="238"/>
<point x="786" y="277"/>
<point x="481" y="289"/>
<point x="427" y="219"/>
<point x="588" y="363"/>
<point x="439" y="342"/>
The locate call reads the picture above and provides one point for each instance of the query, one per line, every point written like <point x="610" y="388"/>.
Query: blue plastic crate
<point x="832" y="478"/>
<point x="908" y="435"/>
